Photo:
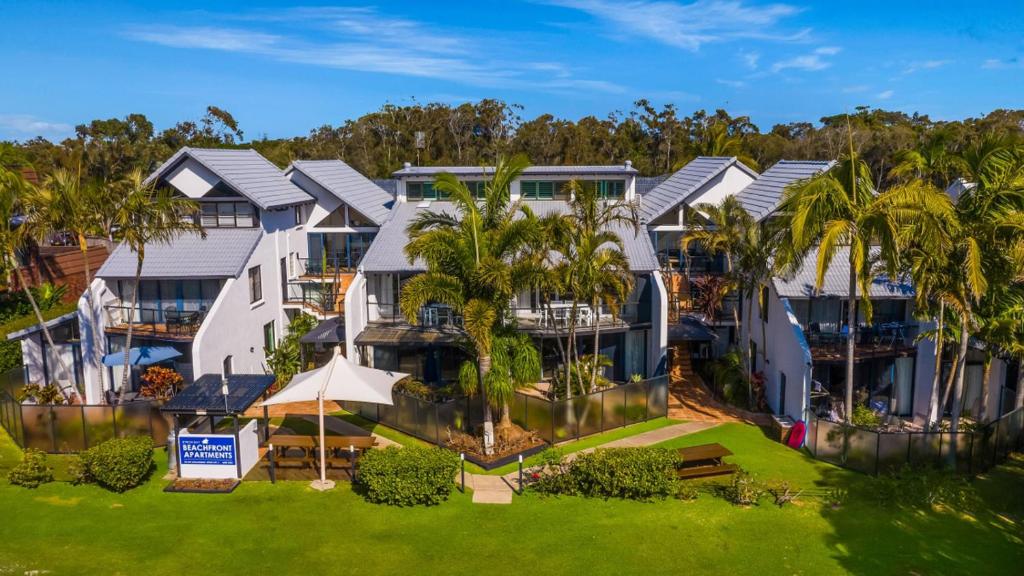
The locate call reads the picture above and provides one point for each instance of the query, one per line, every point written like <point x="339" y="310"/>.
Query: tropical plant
<point x="515" y="364"/>
<point x="33" y="470"/>
<point x="49" y="295"/>
<point x="473" y="266"/>
<point x="711" y="292"/>
<point x="715" y="139"/>
<point x="146" y="216"/>
<point x="13" y="189"/>
<point x="839" y="213"/>
<point x="160" y="383"/>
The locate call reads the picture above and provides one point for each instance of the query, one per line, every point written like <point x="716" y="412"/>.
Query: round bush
<point x="32" y="471"/>
<point x="632" y="473"/>
<point x="118" y="464"/>
<point x="408" y="476"/>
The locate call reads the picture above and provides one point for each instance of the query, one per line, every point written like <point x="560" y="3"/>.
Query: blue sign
<point x="207" y="450"/>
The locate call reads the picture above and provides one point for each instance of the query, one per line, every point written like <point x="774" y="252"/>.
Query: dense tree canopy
<point x="657" y="140"/>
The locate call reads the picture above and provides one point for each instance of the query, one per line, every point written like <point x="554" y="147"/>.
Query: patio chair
<point x="172" y="319"/>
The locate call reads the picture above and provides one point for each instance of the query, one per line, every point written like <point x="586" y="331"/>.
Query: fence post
<point x="647" y="400"/>
<point x="53" y="429"/>
<point x="85" y="431"/>
<point x="602" y="411"/>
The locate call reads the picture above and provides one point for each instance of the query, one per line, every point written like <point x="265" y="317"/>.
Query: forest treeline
<point x="657" y="140"/>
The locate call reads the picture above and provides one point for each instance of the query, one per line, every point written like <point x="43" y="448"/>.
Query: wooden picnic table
<point x="309" y="444"/>
<point x="704" y="460"/>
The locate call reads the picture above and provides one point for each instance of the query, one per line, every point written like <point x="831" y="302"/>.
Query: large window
<point x="255" y="285"/>
<point x="478" y="188"/>
<point x="157" y="297"/>
<point x="269" y="340"/>
<point x="420" y="191"/>
<point x="537" y="189"/>
<point x="228" y="215"/>
<point x="611" y="189"/>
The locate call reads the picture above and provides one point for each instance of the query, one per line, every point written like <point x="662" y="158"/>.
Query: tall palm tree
<point x="932" y="161"/>
<point x="473" y="267"/>
<point x="13" y="190"/>
<point x="148" y="215"/>
<point x="839" y="210"/>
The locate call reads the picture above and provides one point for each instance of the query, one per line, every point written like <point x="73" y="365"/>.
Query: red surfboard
<point x="796" y="435"/>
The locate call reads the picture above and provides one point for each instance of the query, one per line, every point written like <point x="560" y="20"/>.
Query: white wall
<point x="355" y="315"/>
<point x="91" y="324"/>
<point x="782" y="350"/>
<point x="658" y="346"/>
<point x="726" y="184"/>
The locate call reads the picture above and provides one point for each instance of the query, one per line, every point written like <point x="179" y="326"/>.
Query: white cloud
<point x="689" y="26"/>
<point x="361" y="40"/>
<point x="885" y="95"/>
<point x="30" y="126"/>
<point x="1000" y="63"/>
<point x="751" y="59"/>
<point x="731" y="83"/>
<point x="925" y="65"/>
<point x="812" y="62"/>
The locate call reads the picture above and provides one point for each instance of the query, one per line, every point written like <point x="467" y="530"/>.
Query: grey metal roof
<point x="349" y="186"/>
<point x="678" y="187"/>
<point x="837" y="280"/>
<point x="222" y="254"/>
<point x="389" y="185"/>
<point x="690" y="329"/>
<point x="329" y="331"/>
<point x="246" y="171"/>
<point x="762" y="196"/>
<point x="644" y="184"/>
<point x="386" y="254"/>
<point x="621" y="169"/>
<point x="52" y="323"/>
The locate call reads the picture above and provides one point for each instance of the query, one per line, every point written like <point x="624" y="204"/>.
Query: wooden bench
<point x="338" y="448"/>
<point x="706" y="471"/>
<point x="281" y="444"/>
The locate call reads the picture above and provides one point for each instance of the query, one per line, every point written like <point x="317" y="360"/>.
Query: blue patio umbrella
<point x="142" y="356"/>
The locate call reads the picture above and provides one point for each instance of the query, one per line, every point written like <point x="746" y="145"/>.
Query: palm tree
<point x="13" y="190"/>
<point x="515" y="364"/>
<point x="597" y="267"/>
<point x="839" y="210"/>
<point x="149" y="215"/>
<point x="473" y="266"/>
<point x="932" y="162"/>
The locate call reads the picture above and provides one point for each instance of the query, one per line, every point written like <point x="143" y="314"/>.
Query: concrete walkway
<point x="499" y="489"/>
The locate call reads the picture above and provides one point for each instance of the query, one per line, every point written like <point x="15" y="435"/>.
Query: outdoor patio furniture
<point x="338" y="449"/>
<point x="704" y="460"/>
<point x="172" y="319"/>
<point x="286" y="444"/>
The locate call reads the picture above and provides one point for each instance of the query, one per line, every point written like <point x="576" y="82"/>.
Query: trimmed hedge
<point x="631" y="473"/>
<point x="118" y="465"/>
<point x="408" y="476"/>
<point x="32" y="471"/>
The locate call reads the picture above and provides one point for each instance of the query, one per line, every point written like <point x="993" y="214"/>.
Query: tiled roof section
<point x="621" y="169"/>
<point x="837" y="280"/>
<point x="247" y="172"/>
<point x="349" y="186"/>
<point x="762" y="196"/>
<point x="386" y="254"/>
<point x="389" y="185"/>
<point x="644" y="184"/>
<point x="222" y="254"/>
<point x="687" y="180"/>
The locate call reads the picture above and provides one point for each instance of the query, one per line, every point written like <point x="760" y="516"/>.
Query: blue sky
<point x="283" y="69"/>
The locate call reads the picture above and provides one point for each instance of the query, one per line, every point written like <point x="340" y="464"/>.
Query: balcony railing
<point x="325" y="267"/>
<point x="432" y="315"/>
<point x="313" y="296"/>
<point x="557" y="316"/>
<point x="168" y="321"/>
<point x="880" y="339"/>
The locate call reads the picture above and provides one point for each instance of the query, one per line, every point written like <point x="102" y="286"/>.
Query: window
<point x="611" y="189"/>
<point x="269" y="341"/>
<point x="782" y="393"/>
<point x="420" y="191"/>
<point x="478" y="188"/>
<point x="298" y="215"/>
<point x="228" y="215"/>
<point x="226" y="369"/>
<point x="537" y="190"/>
<point x="255" y="285"/>
<point x="764" y="303"/>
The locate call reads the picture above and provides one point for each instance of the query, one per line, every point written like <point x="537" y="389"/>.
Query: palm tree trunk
<point x="42" y="324"/>
<point x="933" y="400"/>
<point x="484" y="367"/>
<point x="546" y="304"/>
<point x="958" y="387"/>
<point x="1018" y="402"/>
<point x="573" y="344"/>
<point x="987" y="371"/>
<point x="748" y="366"/>
<point x="597" y="345"/>
<point x="83" y="246"/>
<point x="851" y="337"/>
<point x="126" y="374"/>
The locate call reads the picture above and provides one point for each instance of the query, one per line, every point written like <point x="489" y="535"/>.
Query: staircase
<point x="690" y="399"/>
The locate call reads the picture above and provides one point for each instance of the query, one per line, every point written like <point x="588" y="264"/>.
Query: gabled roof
<point x="246" y="171"/>
<point x="762" y="196"/>
<point x="222" y="254"/>
<point x="620" y="169"/>
<point x="389" y="185"/>
<point x="387" y="253"/>
<point x="681" y="185"/>
<point x="644" y="184"/>
<point x="347" y="185"/>
<point x="837" y="280"/>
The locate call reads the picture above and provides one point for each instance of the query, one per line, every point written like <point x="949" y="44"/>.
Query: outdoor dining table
<point x="704" y="460"/>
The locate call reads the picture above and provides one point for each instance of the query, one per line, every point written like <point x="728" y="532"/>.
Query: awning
<point x="690" y="329"/>
<point x="397" y="336"/>
<point x="330" y="331"/>
<point x="142" y="356"/>
<point x="205" y="395"/>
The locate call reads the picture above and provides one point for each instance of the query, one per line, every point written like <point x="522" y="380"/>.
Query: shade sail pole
<point x="323" y="484"/>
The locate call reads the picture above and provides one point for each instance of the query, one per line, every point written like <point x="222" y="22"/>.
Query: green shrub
<point x="631" y="473"/>
<point x="118" y="465"/>
<point x="865" y="417"/>
<point x="32" y="471"/>
<point x="744" y="489"/>
<point x="688" y="490"/>
<point x="408" y="476"/>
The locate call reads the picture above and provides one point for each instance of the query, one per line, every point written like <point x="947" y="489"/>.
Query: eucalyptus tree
<point x="148" y="215"/>
<point x="13" y="191"/>
<point x="473" y="265"/>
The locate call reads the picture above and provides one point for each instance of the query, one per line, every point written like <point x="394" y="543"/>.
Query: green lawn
<point x="289" y="529"/>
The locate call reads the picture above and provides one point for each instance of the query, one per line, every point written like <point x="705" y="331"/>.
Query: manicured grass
<point x="288" y="528"/>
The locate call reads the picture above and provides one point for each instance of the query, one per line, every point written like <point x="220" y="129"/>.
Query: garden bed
<point x="203" y="485"/>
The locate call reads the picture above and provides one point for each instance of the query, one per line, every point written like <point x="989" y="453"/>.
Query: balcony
<point x="556" y="318"/>
<point x="166" y="324"/>
<point x="329" y="268"/>
<point x="430" y="316"/>
<point x="324" y="299"/>
<point x="885" y="339"/>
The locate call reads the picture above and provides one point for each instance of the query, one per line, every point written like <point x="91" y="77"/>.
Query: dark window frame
<point x="255" y="287"/>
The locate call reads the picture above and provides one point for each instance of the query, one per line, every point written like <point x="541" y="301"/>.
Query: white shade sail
<point x="339" y="379"/>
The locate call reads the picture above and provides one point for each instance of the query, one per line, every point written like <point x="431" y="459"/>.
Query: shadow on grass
<point x="984" y="537"/>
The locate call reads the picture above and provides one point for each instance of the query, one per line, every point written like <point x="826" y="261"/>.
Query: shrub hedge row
<point x="632" y="473"/>
<point x="117" y="465"/>
<point x="408" y="476"/>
